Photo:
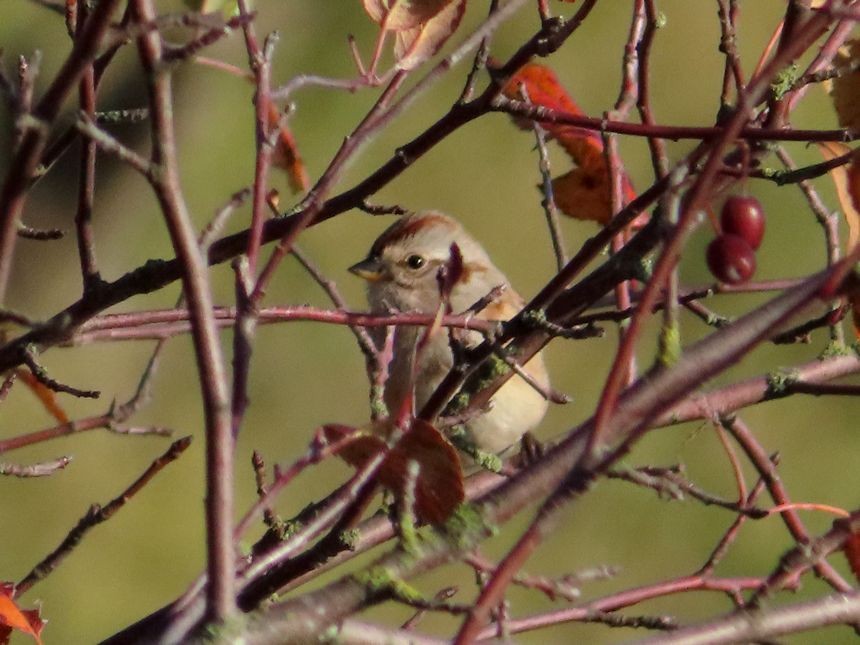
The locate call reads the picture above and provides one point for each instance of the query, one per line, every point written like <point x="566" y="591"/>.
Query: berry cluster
<point x="731" y="255"/>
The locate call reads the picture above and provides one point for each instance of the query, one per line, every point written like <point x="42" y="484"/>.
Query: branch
<point x="195" y="282"/>
<point x="28" y="153"/>
<point x="766" y="625"/>
<point x="98" y="514"/>
<point x="42" y="469"/>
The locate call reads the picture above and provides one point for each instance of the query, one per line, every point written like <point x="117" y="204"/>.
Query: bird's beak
<point x="370" y="269"/>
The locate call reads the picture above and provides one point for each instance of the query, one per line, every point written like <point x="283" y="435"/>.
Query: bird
<point x="402" y="273"/>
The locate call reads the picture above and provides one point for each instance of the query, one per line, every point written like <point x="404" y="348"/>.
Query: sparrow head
<point x="403" y="263"/>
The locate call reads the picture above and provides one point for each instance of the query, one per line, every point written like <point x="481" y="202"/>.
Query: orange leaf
<point x="439" y="486"/>
<point x="46" y="396"/>
<point x="13" y="617"/>
<point x="852" y="554"/>
<point x="582" y="195"/>
<point x="847" y="181"/>
<point x="543" y="88"/>
<point x="584" y="192"/>
<point x="286" y="154"/>
<point x="413" y="46"/>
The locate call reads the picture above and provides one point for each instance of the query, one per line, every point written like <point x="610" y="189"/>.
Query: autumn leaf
<point x="585" y="192"/>
<point x="583" y="195"/>
<point x="439" y="485"/>
<point x="46" y="396"/>
<point x="413" y="46"/>
<point x="420" y="27"/>
<point x="286" y="154"/>
<point x="847" y="181"/>
<point x="399" y="15"/>
<point x="13" y="617"/>
<point x="845" y="89"/>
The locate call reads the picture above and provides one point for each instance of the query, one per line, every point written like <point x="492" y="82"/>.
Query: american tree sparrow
<point x="401" y="270"/>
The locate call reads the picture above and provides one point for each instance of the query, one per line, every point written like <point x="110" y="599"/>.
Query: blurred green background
<point x="305" y="374"/>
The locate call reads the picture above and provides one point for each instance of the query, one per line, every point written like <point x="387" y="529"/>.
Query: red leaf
<point x="584" y="192"/>
<point x="544" y="89"/>
<point x="439" y="486"/>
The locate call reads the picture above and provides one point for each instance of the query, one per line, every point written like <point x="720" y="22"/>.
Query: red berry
<point x="731" y="259"/>
<point x="743" y="216"/>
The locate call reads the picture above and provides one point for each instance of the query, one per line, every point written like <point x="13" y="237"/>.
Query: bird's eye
<point x="415" y="261"/>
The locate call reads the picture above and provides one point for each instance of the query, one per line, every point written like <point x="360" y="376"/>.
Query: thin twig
<point x="42" y="469"/>
<point x="210" y="361"/>
<point x="548" y="200"/>
<point x="98" y="514"/>
<point x="42" y="376"/>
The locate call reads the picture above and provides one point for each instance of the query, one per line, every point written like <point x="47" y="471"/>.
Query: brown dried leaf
<point x="413" y="46"/>
<point x="845" y="89"/>
<point x="286" y="154"/>
<point x="439" y="487"/>
<point x="583" y="195"/>
<point x="400" y="15"/>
